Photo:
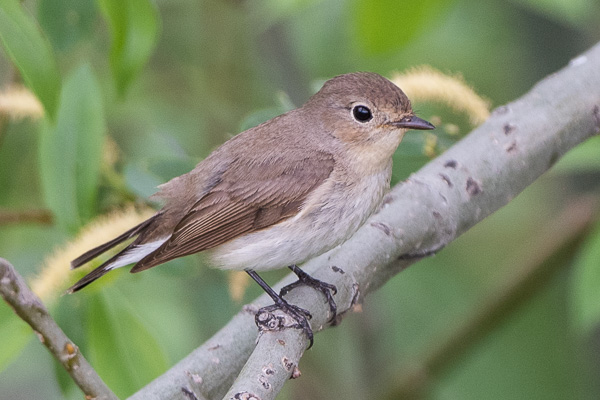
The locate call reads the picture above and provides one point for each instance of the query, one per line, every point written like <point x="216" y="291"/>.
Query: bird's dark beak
<point x="412" y="122"/>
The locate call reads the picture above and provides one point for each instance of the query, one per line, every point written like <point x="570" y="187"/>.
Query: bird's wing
<point x="248" y="197"/>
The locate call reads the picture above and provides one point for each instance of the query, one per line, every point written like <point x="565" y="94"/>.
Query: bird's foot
<point x="327" y="289"/>
<point x="266" y="320"/>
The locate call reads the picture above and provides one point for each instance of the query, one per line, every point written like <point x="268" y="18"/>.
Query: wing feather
<point x="247" y="198"/>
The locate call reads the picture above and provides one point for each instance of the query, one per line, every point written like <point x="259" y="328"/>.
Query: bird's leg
<point x="305" y="279"/>
<point x="300" y="315"/>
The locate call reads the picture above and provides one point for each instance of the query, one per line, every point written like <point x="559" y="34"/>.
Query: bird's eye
<point x="362" y="113"/>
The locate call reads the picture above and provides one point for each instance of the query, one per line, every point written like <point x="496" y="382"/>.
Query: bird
<point x="280" y="193"/>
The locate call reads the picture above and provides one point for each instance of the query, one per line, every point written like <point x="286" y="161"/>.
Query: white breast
<point x="331" y="216"/>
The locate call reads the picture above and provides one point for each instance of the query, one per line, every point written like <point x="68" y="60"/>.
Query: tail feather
<point x="91" y="277"/>
<point x="120" y="259"/>
<point x="96" y="251"/>
<point x="129" y="255"/>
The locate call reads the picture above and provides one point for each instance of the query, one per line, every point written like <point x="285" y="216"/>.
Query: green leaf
<point x="31" y="52"/>
<point x="168" y="168"/>
<point x="67" y="21"/>
<point x="257" y="117"/>
<point x="121" y="348"/>
<point x="140" y="180"/>
<point x="71" y="151"/>
<point x="574" y="13"/>
<point x="279" y="10"/>
<point x="384" y="25"/>
<point x="581" y="159"/>
<point x="586" y="285"/>
<point x="143" y="178"/>
<point x="134" y="26"/>
<point x="15" y="335"/>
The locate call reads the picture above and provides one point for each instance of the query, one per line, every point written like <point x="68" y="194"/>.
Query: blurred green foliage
<point x="167" y="81"/>
<point x="31" y="52"/>
<point x="134" y="26"/>
<point x="71" y="151"/>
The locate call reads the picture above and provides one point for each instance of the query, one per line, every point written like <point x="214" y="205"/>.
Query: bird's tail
<point x="110" y="264"/>
<point x="96" y="251"/>
<point x="89" y="278"/>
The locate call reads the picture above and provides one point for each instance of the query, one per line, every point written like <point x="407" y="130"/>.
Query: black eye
<point x="362" y="113"/>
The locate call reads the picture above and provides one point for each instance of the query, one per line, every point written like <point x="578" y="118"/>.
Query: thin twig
<point x="29" y="307"/>
<point x="40" y="216"/>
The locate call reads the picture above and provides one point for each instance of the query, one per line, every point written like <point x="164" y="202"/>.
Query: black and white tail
<point x="130" y="254"/>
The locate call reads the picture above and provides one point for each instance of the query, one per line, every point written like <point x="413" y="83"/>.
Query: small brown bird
<point x="280" y="193"/>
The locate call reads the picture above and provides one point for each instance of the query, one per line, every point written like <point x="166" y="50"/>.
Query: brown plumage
<point x="242" y="202"/>
<point x="282" y="192"/>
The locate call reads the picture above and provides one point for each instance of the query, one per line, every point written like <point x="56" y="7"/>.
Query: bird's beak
<point x="413" y="122"/>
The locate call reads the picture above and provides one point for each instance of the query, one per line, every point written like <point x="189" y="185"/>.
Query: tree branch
<point x="476" y="177"/>
<point x="43" y="217"/>
<point x="29" y="307"/>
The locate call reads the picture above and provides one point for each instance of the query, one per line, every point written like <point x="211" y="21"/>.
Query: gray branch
<point x="474" y="178"/>
<point x="29" y="307"/>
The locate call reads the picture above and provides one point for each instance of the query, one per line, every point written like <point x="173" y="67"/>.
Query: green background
<point x="168" y="81"/>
